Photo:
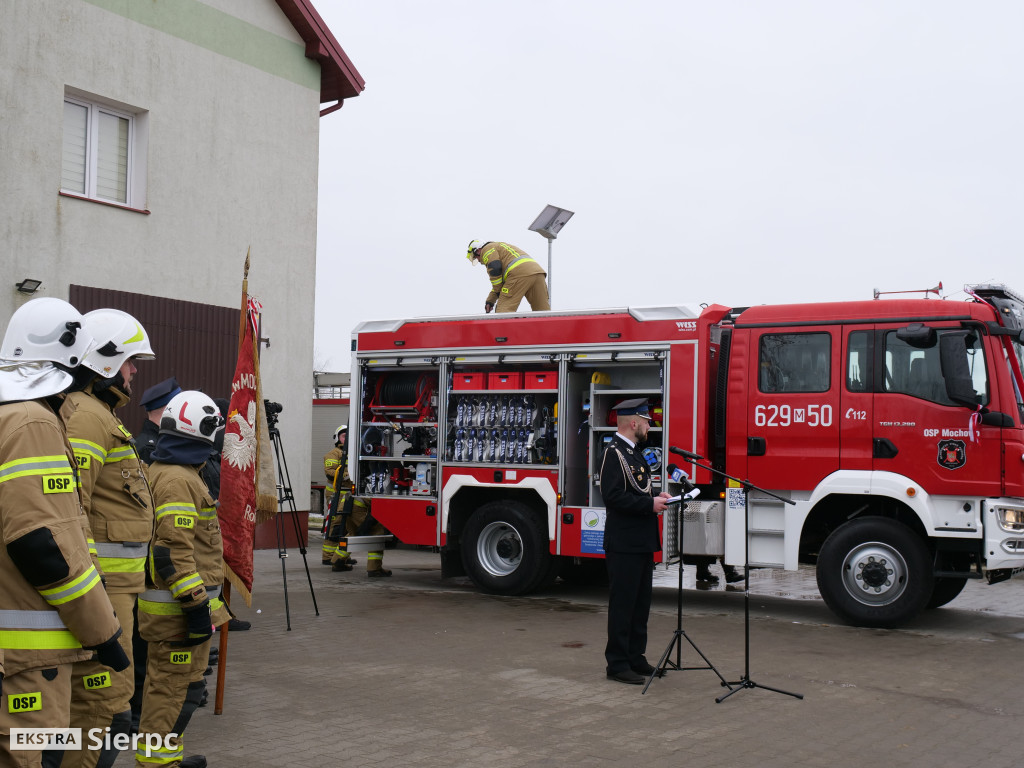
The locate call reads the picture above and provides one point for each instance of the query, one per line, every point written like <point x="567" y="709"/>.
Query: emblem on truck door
<point x="952" y="453"/>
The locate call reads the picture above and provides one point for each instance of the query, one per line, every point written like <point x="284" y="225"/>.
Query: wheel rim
<point x="875" y="574"/>
<point x="499" y="549"/>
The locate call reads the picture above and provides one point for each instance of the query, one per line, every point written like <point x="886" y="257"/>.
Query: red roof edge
<point x="339" y="79"/>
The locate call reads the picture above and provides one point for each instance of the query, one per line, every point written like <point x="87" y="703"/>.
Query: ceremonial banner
<point x="243" y="470"/>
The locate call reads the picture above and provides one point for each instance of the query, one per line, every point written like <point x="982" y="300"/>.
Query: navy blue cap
<point x="159" y="395"/>
<point x="635" y="407"/>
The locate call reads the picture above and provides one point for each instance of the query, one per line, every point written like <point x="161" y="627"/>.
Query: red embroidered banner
<point x="239" y="460"/>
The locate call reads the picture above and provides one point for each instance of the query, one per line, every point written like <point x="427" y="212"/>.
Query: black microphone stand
<point x="664" y="664"/>
<point x="744" y="681"/>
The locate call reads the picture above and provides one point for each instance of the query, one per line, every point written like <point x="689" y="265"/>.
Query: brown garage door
<point x="195" y="343"/>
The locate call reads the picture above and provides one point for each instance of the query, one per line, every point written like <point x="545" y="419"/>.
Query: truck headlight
<point x="1010" y="519"/>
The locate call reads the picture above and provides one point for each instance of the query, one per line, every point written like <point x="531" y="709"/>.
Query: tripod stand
<point x="744" y="682"/>
<point x="285" y="497"/>
<point x="664" y="664"/>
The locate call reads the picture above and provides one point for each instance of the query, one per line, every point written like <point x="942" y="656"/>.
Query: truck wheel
<point x="588" y="572"/>
<point x="505" y="549"/>
<point x="946" y="589"/>
<point x="874" y="572"/>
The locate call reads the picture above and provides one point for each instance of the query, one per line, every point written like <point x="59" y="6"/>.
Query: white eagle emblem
<point x="240" y="444"/>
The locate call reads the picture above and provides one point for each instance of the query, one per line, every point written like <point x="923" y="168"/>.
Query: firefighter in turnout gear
<point x="53" y="608"/>
<point x="360" y="522"/>
<point x="119" y="508"/>
<point x="354" y="519"/>
<point x="335" y="549"/>
<point x="514" y="275"/>
<point x="185" y="573"/>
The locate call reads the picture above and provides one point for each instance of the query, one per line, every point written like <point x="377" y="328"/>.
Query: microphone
<point x="676" y="475"/>
<point x="685" y="454"/>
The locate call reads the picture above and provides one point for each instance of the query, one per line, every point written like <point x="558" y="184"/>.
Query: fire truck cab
<point x="894" y="426"/>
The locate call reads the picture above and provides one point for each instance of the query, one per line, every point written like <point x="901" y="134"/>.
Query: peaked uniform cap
<point x="159" y="395"/>
<point x="637" y="406"/>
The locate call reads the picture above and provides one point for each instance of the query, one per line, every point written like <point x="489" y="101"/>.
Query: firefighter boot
<point x="329" y="547"/>
<point x="341" y="560"/>
<point x="705" y="575"/>
<point x="375" y="565"/>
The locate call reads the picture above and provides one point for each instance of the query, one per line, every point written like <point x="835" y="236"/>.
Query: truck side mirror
<point x="917" y="335"/>
<point x="955" y="373"/>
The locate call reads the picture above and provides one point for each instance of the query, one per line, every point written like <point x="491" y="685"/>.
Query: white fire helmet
<point x="46" y="330"/>
<point x="119" y="337"/>
<point x="193" y="415"/>
<point x="339" y="432"/>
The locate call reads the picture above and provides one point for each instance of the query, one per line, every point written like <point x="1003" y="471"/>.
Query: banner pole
<point x="222" y="659"/>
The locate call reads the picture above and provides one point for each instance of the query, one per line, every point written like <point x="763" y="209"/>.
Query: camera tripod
<point x="664" y="664"/>
<point x="744" y="682"/>
<point x="285" y="498"/>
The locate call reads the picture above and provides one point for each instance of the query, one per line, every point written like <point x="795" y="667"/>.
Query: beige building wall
<point x="227" y="113"/>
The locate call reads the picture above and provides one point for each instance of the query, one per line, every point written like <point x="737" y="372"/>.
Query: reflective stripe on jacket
<point x="115" y="493"/>
<point x="187" y="528"/>
<point x="509" y="258"/>
<point x="40" y="510"/>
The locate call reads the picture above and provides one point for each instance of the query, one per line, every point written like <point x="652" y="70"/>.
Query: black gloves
<point x="488" y="306"/>
<point x="198" y="623"/>
<point x="111" y="654"/>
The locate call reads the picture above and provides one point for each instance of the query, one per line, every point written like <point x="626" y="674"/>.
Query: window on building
<point x="794" y="362"/>
<point x="102" y="151"/>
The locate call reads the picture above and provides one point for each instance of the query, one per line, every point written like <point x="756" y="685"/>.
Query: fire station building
<point x="147" y="146"/>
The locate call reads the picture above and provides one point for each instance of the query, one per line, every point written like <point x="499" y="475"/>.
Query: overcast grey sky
<point x="735" y="152"/>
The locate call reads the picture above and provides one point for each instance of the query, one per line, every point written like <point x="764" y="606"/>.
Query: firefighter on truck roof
<point x="514" y="275"/>
<point x="53" y="608"/>
<point x="119" y="507"/>
<point x="186" y="572"/>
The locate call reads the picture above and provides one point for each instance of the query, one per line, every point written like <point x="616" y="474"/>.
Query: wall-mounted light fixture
<point x="28" y="286"/>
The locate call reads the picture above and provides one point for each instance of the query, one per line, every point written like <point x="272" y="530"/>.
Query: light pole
<point x="549" y="224"/>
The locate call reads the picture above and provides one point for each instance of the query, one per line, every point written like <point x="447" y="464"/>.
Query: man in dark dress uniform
<point x="153" y="400"/>
<point x="631" y="537"/>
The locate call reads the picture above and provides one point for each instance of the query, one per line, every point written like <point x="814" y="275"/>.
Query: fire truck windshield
<point x="1018" y="351"/>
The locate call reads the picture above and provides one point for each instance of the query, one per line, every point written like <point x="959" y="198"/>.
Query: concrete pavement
<point x="416" y="671"/>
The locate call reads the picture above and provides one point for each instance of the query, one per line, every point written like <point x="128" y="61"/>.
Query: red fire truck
<point x="896" y="427"/>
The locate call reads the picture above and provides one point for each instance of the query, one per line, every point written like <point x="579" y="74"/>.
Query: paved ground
<point x="416" y="671"/>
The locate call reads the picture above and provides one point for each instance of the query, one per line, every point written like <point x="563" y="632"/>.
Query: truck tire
<point x="945" y="591"/>
<point x="875" y="572"/>
<point x="948" y="587"/>
<point x="505" y="549"/>
<point x="588" y="572"/>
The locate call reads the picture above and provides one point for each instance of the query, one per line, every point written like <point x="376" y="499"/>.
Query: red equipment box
<point x="469" y="380"/>
<point x="505" y="380"/>
<point x="541" y="380"/>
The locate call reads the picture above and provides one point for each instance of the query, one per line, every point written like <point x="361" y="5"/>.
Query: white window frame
<point x="135" y="181"/>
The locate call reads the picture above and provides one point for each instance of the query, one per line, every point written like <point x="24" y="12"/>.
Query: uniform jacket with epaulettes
<point x="114" y="490"/>
<point x="52" y="602"/>
<point x="631" y="524"/>
<point x="186" y="565"/>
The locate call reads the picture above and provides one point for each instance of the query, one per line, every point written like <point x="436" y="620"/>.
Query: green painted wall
<point x="223" y="34"/>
